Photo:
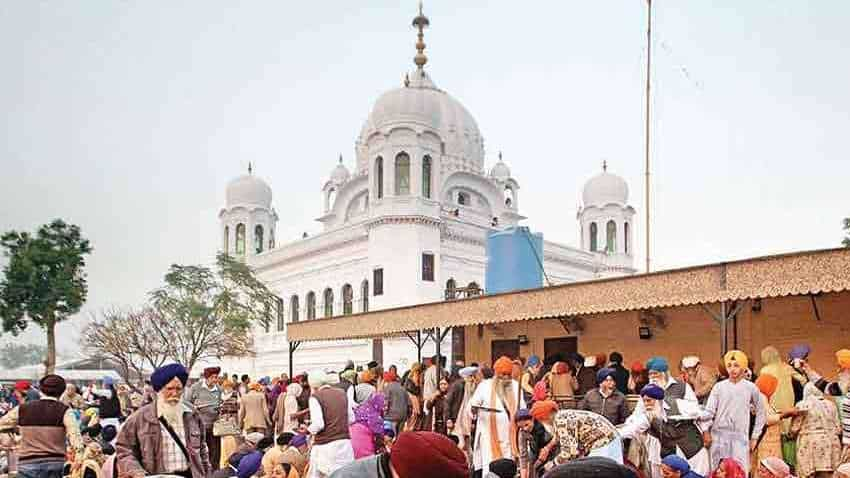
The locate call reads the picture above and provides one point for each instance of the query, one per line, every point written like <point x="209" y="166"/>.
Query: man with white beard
<point x="164" y="437"/>
<point x="496" y="401"/>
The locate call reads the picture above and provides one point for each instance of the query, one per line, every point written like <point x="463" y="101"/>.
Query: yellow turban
<point x="843" y="357"/>
<point x="503" y="366"/>
<point x="736" y="356"/>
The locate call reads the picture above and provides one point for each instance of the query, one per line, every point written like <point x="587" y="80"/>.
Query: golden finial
<point x="250" y="168"/>
<point x="340" y="158"/>
<point x="500" y="156"/>
<point x="421" y="22"/>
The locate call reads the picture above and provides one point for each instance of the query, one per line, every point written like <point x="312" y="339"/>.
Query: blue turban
<point x="163" y="375"/>
<point x="533" y="361"/>
<point x="652" y="391"/>
<point x="249" y="465"/>
<point x="107" y="380"/>
<point x="681" y="465"/>
<point x="800" y="351"/>
<point x="604" y="373"/>
<point x="298" y="440"/>
<point x="657" y="364"/>
<point x="523" y="414"/>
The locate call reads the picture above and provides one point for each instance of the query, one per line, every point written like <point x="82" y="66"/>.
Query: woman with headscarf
<point x="413" y="386"/>
<point x="817" y="430"/>
<point x="367" y="431"/>
<point x="435" y="406"/>
<point x="286" y="409"/>
<point x="562" y="382"/>
<point x="772" y="467"/>
<point x="581" y="433"/>
<point x="770" y="441"/>
<point x="728" y="468"/>
<point x="783" y="398"/>
<point x="229" y="411"/>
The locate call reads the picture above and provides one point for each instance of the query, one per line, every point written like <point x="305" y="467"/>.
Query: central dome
<point x="421" y="104"/>
<point x="605" y="188"/>
<point x="248" y="190"/>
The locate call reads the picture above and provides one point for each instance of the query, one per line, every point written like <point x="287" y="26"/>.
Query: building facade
<point x="407" y="225"/>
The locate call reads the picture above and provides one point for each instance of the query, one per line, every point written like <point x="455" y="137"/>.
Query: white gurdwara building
<point x="407" y="226"/>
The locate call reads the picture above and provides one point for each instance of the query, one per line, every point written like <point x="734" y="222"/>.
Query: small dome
<point x="248" y="190"/>
<point x="340" y="173"/>
<point x="605" y="188"/>
<point x="500" y="171"/>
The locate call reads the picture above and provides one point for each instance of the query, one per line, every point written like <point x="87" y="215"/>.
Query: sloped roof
<point x="800" y="273"/>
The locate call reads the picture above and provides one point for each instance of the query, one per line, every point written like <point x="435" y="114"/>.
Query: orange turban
<point x="843" y="357"/>
<point x="543" y="409"/>
<point x="767" y="384"/>
<point x="503" y="366"/>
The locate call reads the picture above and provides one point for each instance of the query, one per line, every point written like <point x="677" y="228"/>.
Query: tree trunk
<point x="50" y="361"/>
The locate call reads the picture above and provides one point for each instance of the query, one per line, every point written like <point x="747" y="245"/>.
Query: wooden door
<point x="557" y="349"/>
<point x="509" y="348"/>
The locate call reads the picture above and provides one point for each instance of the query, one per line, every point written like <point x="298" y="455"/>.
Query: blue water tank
<point x="514" y="260"/>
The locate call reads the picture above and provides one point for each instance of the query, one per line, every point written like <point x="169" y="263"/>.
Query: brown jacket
<point x="254" y="411"/>
<point x="138" y="445"/>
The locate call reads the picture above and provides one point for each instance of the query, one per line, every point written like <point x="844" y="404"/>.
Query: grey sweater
<point x="397" y="402"/>
<point x="206" y="402"/>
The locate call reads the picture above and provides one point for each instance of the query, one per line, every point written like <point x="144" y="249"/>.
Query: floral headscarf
<point x="370" y="412"/>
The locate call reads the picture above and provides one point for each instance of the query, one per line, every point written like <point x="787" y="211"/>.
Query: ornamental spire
<point x="421" y="22"/>
<point x="250" y="168"/>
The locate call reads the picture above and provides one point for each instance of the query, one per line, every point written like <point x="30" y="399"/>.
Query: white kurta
<point x="728" y="408"/>
<point x="483" y="454"/>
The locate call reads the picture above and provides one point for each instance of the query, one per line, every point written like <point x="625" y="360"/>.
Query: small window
<point x="626" y="237"/>
<point x="451" y="287"/>
<point x="364" y="293"/>
<point x="378" y="282"/>
<point x="240" y="239"/>
<point x="426" y="177"/>
<point x="509" y="197"/>
<point x="293" y="308"/>
<point x="347" y="299"/>
<point x="402" y="174"/>
<point x="463" y="199"/>
<point x="258" y="239"/>
<point x="271" y="239"/>
<point x="311" y="305"/>
<point x="611" y="237"/>
<point x="379" y="177"/>
<point x="227" y="239"/>
<point x="593" y="237"/>
<point x="329" y="302"/>
<point x="428" y="267"/>
<point x="281" y="315"/>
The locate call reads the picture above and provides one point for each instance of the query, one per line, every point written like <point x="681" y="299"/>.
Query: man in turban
<point x="44" y="426"/>
<point x="330" y="417"/>
<point x="166" y="436"/>
<point x="538" y="444"/>
<point x="698" y="376"/>
<point x="458" y="421"/>
<point x="414" y="454"/>
<point x="728" y="413"/>
<point x="494" y="406"/>
<point x="606" y="400"/>
<point x="205" y="398"/>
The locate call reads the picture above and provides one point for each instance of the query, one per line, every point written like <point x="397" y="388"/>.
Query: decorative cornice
<point x="271" y="262"/>
<point x="405" y="219"/>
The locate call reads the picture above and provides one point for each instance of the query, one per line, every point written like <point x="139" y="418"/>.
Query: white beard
<point x="173" y="414"/>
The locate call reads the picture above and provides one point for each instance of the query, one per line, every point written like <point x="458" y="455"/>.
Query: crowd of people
<point x="566" y="416"/>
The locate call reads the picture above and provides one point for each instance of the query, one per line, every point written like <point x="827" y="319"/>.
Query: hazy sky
<point x="129" y="118"/>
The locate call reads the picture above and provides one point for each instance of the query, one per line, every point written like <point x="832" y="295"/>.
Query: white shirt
<point x="317" y="418"/>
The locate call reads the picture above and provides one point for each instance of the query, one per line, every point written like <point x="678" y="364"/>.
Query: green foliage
<point x="44" y="281"/>
<point x="204" y="313"/>
<point x="13" y="355"/>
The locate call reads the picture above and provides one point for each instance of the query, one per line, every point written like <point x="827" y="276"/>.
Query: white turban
<point x="317" y="378"/>
<point x="690" y="361"/>
<point x="467" y="371"/>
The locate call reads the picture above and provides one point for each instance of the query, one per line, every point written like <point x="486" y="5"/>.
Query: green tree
<point x="846" y="240"/>
<point x="44" y="281"/>
<point x="14" y="355"/>
<point x="205" y="313"/>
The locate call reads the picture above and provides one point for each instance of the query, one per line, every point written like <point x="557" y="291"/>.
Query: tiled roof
<point x="800" y="273"/>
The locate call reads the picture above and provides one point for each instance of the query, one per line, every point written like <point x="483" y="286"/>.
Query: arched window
<point x="379" y="176"/>
<point x="328" y="297"/>
<point x="402" y="174"/>
<point x="271" y="239"/>
<point x="463" y="199"/>
<point x="509" y="196"/>
<point x="293" y="308"/>
<point x="240" y="239"/>
<point x="281" y="315"/>
<point x="347" y="299"/>
<point x="611" y="237"/>
<point x="227" y="239"/>
<point x="626" y="237"/>
<point x="426" y="177"/>
<point x="258" y="239"/>
<point x="592" y="237"/>
<point x="451" y="285"/>
<point x="311" y="305"/>
<point x="331" y="198"/>
<point x="364" y="293"/>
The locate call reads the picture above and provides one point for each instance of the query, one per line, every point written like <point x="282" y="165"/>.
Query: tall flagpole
<point x="648" y="64"/>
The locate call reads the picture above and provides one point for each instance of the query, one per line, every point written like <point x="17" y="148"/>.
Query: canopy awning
<point x="800" y="273"/>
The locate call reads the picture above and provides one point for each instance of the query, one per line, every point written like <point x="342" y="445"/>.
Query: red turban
<point x="543" y="408"/>
<point x="211" y="371"/>
<point x="503" y="366"/>
<point x="22" y="386"/>
<point x="559" y="368"/>
<point x="767" y="384"/>
<point x="637" y="366"/>
<point x="416" y="454"/>
<point x="390" y="376"/>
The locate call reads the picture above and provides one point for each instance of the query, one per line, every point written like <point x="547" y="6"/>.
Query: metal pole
<point x="438" y="338"/>
<point x="648" y="65"/>
<point x="419" y="346"/>
<point x="724" y="343"/>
